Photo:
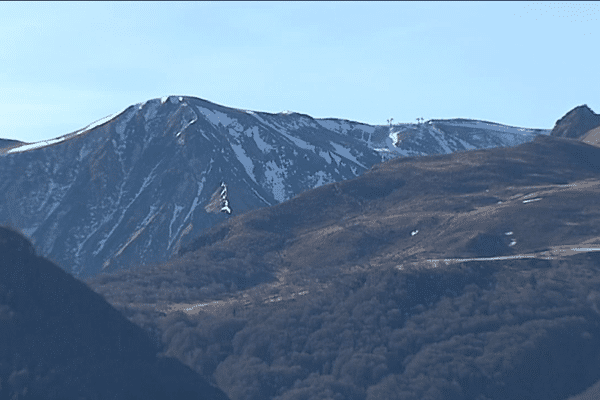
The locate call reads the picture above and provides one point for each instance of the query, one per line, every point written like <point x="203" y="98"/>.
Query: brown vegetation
<point x="330" y="294"/>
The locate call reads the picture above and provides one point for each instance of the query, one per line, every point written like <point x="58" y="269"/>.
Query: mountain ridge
<point x="133" y="187"/>
<point x="414" y="280"/>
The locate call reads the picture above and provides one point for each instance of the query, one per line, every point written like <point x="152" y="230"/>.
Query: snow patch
<point x="466" y="145"/>
<point x="120" y="128"/>
<point x="245" y="160"/>
<point x="326" y="156"/>
<point x="164" y="99"/>
<point x="196" y="199"/>
<point x="260" y="143"/>
<point x="496" y="127"/>
<point x="298" y="142"/>
<point x="176" y="212"/>
<point x="335" y="157"/>
<point x="44" y="143"/>
<point x="29" y="231"/>
<point x="324" y="178"/>
<point x="275" y="176"/>
<point x="344" y="152"/>
<point x="259" y="196"/>
<point x="529" y="201"/>
<point x="413" y="233"/>
<point x="216" y="117"/>
<point x="337" y="126"/>
<point x="187" y="125"/>
<point x="146" y="182"/>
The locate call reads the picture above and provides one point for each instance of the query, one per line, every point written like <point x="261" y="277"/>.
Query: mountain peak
<point x="576" y="123"/>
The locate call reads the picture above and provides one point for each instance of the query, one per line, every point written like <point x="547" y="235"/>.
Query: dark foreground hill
<point x="60" y="340"/>
<point x="439" y="277"/>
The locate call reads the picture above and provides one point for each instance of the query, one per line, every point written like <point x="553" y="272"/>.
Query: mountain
<point x="468" y="275"/>
<point x="9" y="143"/>
<point x="135" y="187"/>
<point x="60" y="340"/>
<point x="576" y="123"/>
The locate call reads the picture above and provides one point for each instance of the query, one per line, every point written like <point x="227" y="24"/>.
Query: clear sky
<point x="65" y="65"/>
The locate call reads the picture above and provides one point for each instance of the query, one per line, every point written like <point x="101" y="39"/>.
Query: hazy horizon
<point x="65" y="65"/>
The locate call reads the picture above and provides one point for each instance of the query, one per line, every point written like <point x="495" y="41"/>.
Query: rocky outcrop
<point x="576" y="123"/>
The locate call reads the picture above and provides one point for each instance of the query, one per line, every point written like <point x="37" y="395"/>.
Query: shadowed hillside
<point x="397" y="284"/>
<point x="60" y="340"/>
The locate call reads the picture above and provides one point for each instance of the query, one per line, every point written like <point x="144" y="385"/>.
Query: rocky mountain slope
<point x="438" y="277"/>
<point x="135" y="187"/>
<point x="8" y="143"/>
<point x="576" y="123"/>
<point x="59" y="340"/>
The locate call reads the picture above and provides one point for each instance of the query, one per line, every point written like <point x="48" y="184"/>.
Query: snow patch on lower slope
<point x="323" y="179"/>
<point x="275" y="177"/>
<point x="176" y="212"/>
<point x="196" y="200"/>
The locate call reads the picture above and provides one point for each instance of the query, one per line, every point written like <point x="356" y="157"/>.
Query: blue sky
<point x="65" y="65"/>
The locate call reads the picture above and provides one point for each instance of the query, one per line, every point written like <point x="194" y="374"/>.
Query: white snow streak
<point x="494" y="127"/>
<point x="259" y="196"/>
<point x="275" y="176"/>
<point x="176" y="212"/>
<point x="324" y="178"/>
<point x="260" y="143"/>
<point x="326" y="156"/>
<point x="44" y="143"/>
<point x="344" y="152"/>
<point x="216" y="117"/>
<point x="245" y="160"/>
<point x="146" y="182"/>
<point x="196" y="200"/>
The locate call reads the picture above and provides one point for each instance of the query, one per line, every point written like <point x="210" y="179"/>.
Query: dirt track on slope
<point x="421" y="250"/>
<point x="264" y="292"/>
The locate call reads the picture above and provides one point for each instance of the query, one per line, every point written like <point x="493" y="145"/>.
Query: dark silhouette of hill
<point x="375" y="287"/>
<point x="576" y="123"/>
<point x="60" y="340"/>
